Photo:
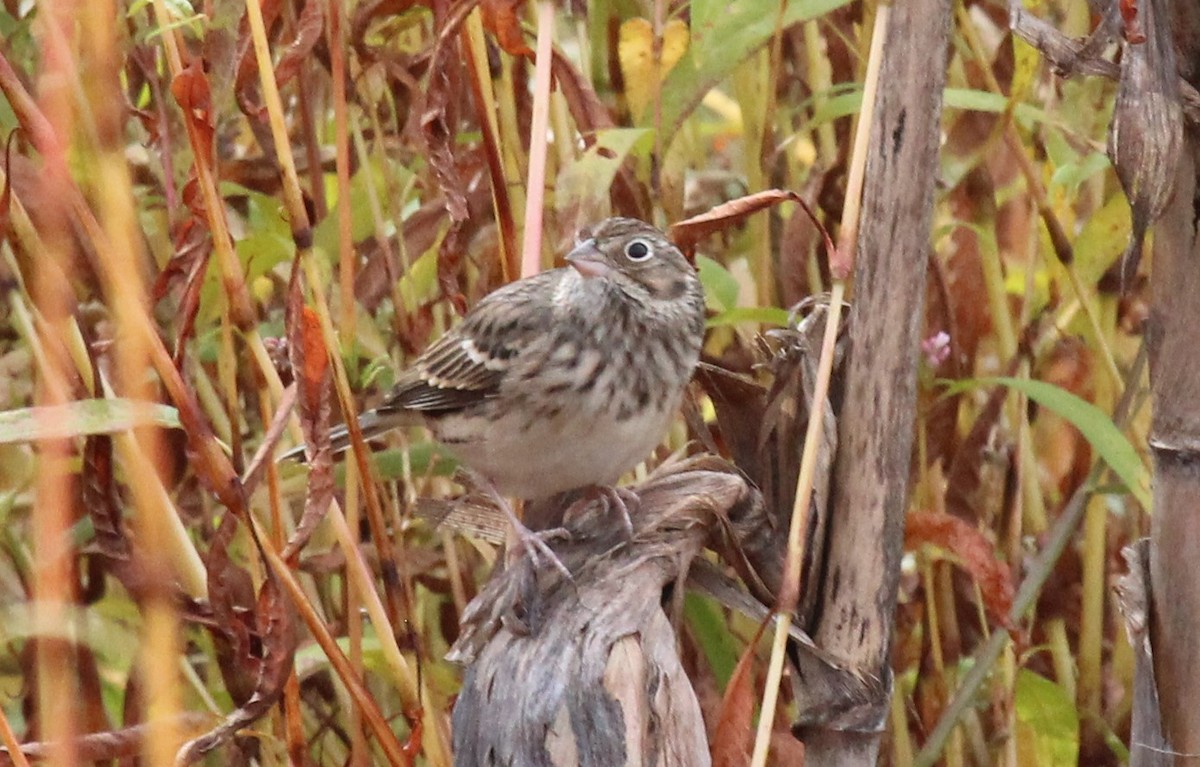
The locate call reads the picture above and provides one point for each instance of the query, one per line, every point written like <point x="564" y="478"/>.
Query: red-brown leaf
<point x="687" y="233"/>
<point x="191" y="89"/>
<point x="309" y="27"/>
<point x="500" y="17"/>
<point x="974" y="553"/>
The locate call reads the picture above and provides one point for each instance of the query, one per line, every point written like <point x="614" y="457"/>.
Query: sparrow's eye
<point x="637" y="250"/>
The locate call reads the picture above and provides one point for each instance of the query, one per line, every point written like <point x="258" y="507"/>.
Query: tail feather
<point x="371" y="423"/>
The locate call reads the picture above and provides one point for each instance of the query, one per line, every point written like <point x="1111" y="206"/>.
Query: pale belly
<point x="556" y="454"/>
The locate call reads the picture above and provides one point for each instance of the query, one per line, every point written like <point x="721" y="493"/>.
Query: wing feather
<point x="468" y="364"/>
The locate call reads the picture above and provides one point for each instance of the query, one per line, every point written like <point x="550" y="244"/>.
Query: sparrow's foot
<point x="620" y="500"/>
<point x="533" y="543"/>
<point x="624" y="501"/>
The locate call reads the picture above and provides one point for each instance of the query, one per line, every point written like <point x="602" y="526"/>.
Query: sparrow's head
<point x="635" y="257"/>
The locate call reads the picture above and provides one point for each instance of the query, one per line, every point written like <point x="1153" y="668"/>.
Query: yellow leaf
<point x="1027" y="62"/>
<point x="636" y="53"/>
<point x="1102" y="239"/>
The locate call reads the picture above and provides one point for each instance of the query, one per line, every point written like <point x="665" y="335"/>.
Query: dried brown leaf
<point x="1146" y="133"/>
<point x="309" y="27"/>
<point x="501" y="18"/>
<point x="191" y="89"/>
<point x="973" y="552"/>
<point x="629" y="196"/>
<point x="964" y="476"/>
<point x="124" y="743"/>
<point x="688" y="233"/>
<point x="310" y="366"/>
<point x="245" y="83"/>
<point x="734" y="732"/>
<point x="438" y="113"/>
<point x="277" y="634"/>
<point x="231" y="599"/>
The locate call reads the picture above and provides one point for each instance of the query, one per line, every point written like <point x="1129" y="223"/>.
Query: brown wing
<point x="468" y="364"/>
<point x="450" y="375"/>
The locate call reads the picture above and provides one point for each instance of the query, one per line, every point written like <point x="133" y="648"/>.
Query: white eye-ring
<point x="638" y="250"/>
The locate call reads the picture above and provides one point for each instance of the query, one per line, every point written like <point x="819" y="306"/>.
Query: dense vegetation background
<point x="202" y="198"/>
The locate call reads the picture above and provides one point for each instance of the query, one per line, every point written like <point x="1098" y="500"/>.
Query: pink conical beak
<point x="588" y="260"/>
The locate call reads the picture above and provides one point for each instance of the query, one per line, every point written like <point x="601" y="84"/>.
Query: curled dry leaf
<point x="438" y="113"/>
<point x="309" y="27"/>
<point x="245" y="83"/>
<point x="193" y="247"/>
<point x="438" y="121"/>
<point x="972" y="550"/>
<point x="191" y="89"/>
<point x="968" y="491"/>
<point x="310" y="365"/>
<point x="734" y="732"/>
<point x="629" y="196"/>
<point x="687" y="233"/>
<point x="501" y="19"/>
<point x="276" y="631"/>
<point x="1146" y="133"/>
<point x="231" y="602"/>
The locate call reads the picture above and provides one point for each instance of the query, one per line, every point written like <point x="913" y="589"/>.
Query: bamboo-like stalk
<point x="358" y="692"/>
<point x="510" y="136"/>
<point x="9" y="739"/>
<point x="1034" y="185"/>
<point x="1091" y="622"/>
<point x="237" y="308"/>
<point x="939" y="596"/>
<point x="841" y="267"/>
<point x="347" y="260"/>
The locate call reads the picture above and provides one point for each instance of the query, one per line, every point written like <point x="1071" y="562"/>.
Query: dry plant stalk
<point x="586" y="671"/>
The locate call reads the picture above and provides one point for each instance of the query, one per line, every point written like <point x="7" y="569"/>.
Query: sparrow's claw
<point x="531" y="542"/>
<point x="619" y="499"/>
<point x="623" y="500"/>
<point x="534" y="544"/>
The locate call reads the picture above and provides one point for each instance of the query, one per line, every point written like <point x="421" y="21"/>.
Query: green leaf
<point x="1047" y="722"/>
<point x="966" y="99"/>
<point x="973" y="100"/>
<point x="89" y="416"/>
<point x="424" y="459"/>
<point x="720" y="287"/>
<point x="762" y="315"/>
<point x="1093" y="423"/>
<point x="709" y="627"/>
<point x="391" y="183"/>
<point x="723" y="35"/>
<point x="1071" y="174"/>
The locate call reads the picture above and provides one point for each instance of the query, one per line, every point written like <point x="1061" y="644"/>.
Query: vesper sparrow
<point x="565" y="379"/>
